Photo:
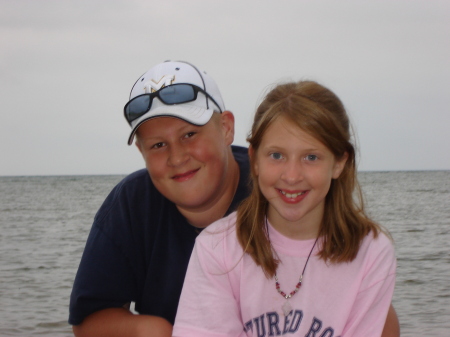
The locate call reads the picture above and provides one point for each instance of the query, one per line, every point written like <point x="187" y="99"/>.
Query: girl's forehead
<point x="284" y="131"/>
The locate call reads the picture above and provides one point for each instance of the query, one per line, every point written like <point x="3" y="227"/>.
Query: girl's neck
<point x="304" y="230"/>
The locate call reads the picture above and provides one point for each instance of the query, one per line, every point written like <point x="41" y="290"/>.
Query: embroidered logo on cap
<point x="152" y="85"/>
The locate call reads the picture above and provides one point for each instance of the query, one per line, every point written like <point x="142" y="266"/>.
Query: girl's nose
<point x="292" y="173"/>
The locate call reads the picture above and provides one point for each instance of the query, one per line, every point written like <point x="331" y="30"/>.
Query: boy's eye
<point x="189" y="134"/>
<point x="158" y="145"/>
<point x="276" y="155"/>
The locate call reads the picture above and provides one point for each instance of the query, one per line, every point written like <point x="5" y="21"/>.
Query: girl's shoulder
<point x="218" y="242"/>
<point x="383" y="239"/>
<point x="226" y="224"/>
<point x="219" y="233"/>
<point x="376" y="260"/>
<point x="379" y="247"/>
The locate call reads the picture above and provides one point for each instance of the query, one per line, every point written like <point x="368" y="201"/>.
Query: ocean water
<point x="44" y="223"/>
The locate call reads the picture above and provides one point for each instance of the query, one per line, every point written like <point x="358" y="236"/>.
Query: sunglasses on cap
<point x="169" y="95"/>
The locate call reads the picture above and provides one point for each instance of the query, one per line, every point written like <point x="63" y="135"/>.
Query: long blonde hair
<point x="319" y="112"/>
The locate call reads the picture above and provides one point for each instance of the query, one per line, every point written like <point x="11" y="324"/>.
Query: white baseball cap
<point x="198" y="110"/>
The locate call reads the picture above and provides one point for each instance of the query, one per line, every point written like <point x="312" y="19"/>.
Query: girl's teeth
<point x="293" y="195"/>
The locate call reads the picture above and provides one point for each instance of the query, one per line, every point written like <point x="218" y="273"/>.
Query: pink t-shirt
<point x="226" y="294"/>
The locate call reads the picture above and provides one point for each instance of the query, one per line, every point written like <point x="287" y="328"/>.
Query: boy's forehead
<point x="165" y="124"/>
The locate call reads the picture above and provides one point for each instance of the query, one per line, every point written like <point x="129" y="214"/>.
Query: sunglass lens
<point x="177" y="94"/>
<point x="137" y="107"/>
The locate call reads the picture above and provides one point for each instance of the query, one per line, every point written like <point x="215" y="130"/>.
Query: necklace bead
<point x="287" y="307"/>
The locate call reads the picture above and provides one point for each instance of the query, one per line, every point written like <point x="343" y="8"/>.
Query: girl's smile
<point x="292" y="197"/>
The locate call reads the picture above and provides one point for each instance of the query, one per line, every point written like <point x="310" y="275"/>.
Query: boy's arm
<point x="121" y="322"/>
<point x="391" y="326"/>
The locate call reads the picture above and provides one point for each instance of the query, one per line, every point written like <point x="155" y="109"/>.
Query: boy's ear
<point x="138" y="144"/>
<point x="227" y="120"/>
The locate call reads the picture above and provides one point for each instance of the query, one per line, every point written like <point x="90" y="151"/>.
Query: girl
<point x="300" y="256"/>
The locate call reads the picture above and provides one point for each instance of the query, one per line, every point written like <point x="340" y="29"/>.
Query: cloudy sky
<point x="66" y="69"/>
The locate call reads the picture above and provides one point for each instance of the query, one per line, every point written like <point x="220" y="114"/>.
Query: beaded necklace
<point x="287" y="308"/>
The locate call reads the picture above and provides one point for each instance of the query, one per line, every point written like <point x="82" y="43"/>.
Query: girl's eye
<point x="311" y="157"/>
<point x="189" y="134"/>
<point x="276" y="155"/>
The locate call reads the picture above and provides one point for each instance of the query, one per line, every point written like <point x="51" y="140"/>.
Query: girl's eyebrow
<point x="277" y="147"/>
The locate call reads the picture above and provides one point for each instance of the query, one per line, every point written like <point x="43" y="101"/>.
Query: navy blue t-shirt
<point x="138" y="249"/>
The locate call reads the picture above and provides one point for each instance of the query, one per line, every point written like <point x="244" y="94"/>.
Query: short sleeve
<point x="93" y="290"/>
<point x="106" y="276"/>
<point x="369" y="312"/>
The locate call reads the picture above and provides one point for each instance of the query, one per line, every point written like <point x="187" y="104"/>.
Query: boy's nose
<point x="178" y="155"/>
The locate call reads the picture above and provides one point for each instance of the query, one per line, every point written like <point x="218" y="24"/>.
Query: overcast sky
<point x="66" y="69"/>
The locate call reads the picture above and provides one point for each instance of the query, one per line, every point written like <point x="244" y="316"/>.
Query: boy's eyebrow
<point x="184" y="128"/>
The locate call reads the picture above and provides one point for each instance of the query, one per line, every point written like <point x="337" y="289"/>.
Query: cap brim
<point x="192" y="114"/>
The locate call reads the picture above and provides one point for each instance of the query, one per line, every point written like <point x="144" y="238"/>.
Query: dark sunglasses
<point x="170" y="95"/>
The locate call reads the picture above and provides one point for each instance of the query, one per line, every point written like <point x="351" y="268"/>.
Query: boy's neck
<point x="203" y="217"/>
